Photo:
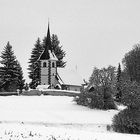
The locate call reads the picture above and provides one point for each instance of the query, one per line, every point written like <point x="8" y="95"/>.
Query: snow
<point x="50" y="109"/>
<point x="42" y="87"/>
<point x="29" y="132"/>
<point x="42" y="117"/>
<point x="70" y="77"/>
<point x="52" y="56"/>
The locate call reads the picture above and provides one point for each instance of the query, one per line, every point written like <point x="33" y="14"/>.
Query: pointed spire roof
<point x="47" y="46"/>
<point x="48" y="39"/>
<point x="48" y="52"/>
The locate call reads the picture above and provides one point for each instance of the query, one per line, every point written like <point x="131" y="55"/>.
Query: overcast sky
<point x="92" y="32"/>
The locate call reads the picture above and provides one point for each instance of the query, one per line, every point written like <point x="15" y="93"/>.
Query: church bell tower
<point x="48" y="63"/>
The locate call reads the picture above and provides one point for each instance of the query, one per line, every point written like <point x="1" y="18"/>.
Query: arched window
<point x="53" y="64"/>
<point x="44" y="64"/>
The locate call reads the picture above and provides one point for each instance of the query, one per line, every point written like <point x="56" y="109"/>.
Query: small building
<point x="56" y="78"/>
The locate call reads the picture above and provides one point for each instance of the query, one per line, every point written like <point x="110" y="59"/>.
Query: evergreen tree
<point x="119" y="73"/>
<point x="118" y="84"/>
<point x="21" y="81"/>
<point x="60" y="54"/>
<point x="34" y="65"/>
<point x="127" y="120"/>
<point x="8" y="72"/>
<point x="132" y="64"/>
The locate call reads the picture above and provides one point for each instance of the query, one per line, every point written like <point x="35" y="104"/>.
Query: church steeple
<point x="47" y="46"/>
<point x="48" y="62"/>
<point x="48" y="39"/>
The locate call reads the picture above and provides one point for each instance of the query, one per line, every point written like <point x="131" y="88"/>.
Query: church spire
<point x="47" y="46"/>
<point x="48" y="39"/>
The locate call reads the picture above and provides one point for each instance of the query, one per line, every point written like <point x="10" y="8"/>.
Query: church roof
<point x="52" y="55"/>
<point x="44" y="55"/>
<point x="69" y="77"/>
<point x="48" y="52"/>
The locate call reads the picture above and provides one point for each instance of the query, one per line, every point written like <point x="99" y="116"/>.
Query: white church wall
<point x="44" y="80"/>
<point x="44" y="71"/>
<point x="53" y="71"/>
<point x="54" y="81"/>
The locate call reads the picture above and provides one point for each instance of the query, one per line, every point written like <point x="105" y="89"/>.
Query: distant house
<point x="53" y="77"/>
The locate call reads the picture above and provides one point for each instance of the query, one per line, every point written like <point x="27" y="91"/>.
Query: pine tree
<point x="21" y="81"/>
<point x="131" y="63"/>
<point x="118" y="84"/>
<point x="34" y="65"/>
<point x="8" y="72"/>
<point x="60" y="54"/>
<point x="119" y="73"/>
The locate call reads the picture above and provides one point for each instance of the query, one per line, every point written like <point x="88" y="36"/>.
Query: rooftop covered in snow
<point x="70" y="77"/>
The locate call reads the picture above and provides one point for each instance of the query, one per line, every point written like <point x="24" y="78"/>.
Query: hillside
<point x="42" y="117"/>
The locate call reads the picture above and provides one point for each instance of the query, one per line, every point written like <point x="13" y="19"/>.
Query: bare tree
<point x="105" y="77"/>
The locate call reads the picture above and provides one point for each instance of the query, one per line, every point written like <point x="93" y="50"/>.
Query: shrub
<point x="108" y="127"/>
<point x="109" y="104"/>
<point x="108" y="99"/>
<point x="127" y="121"/>
<point x="81" y="98"/>
<point x="96" y="99"/>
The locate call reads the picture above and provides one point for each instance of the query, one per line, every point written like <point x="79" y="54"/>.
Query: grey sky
<point x="92" y="32"/>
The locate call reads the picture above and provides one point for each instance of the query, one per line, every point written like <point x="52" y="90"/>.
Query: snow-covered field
<point x="54" y="118"/>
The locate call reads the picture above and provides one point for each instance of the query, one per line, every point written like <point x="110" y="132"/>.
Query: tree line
<point x="109" y="87"/>
<point x="11" y="74"/>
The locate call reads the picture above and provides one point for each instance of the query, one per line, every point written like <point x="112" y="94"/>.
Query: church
<point x="53" y="77"/>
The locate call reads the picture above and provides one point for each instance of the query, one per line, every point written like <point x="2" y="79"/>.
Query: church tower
<point x="48" y="63"/>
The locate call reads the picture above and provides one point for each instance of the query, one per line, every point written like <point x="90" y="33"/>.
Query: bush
<point x="102" y="99"/>
<point x="108" y="99"/>
<point x="109" y="104"/>
<point x="96" y="99"/>
<point x="127" y="121"/>
<point x="82" y="98"/>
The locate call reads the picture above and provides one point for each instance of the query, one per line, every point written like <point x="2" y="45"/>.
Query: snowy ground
<point x="50" y="117"/>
